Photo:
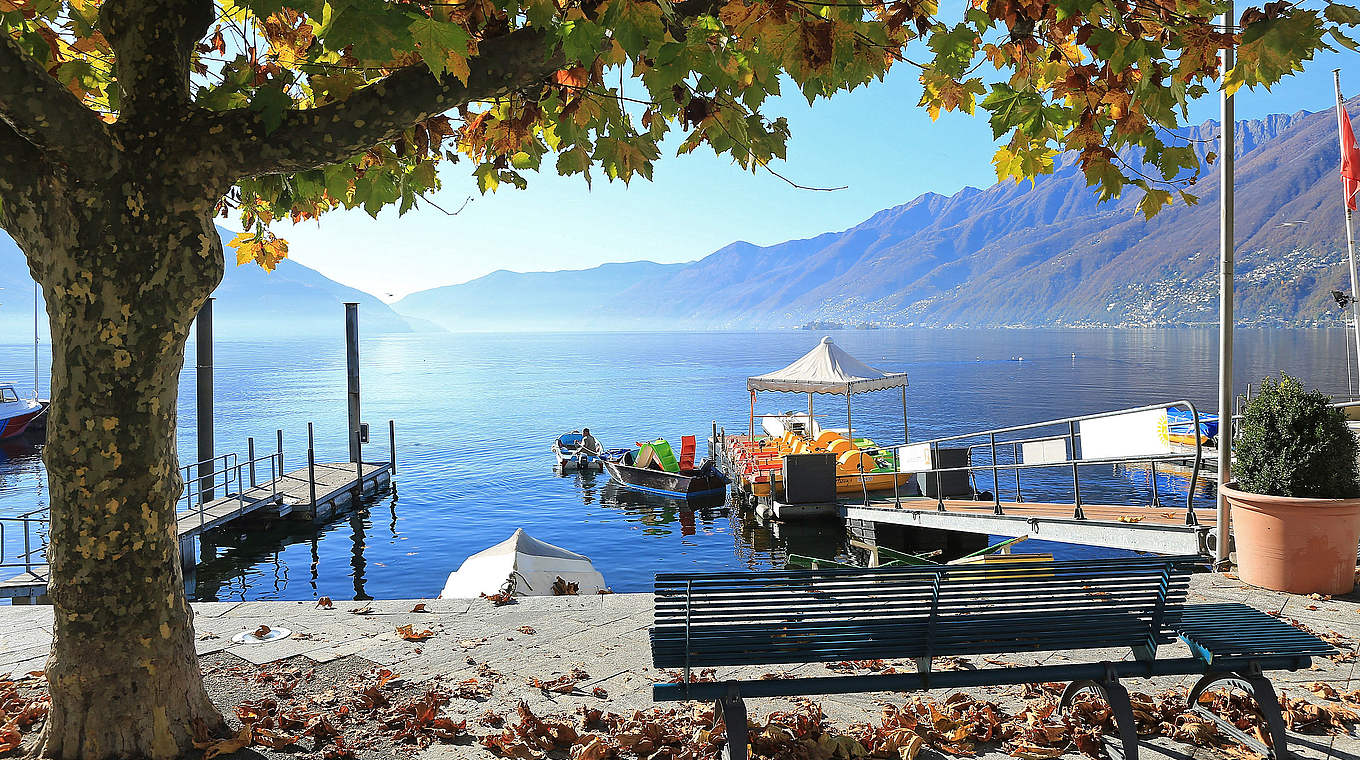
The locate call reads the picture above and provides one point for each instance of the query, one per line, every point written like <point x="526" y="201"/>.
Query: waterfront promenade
<point x="491" y="655"/>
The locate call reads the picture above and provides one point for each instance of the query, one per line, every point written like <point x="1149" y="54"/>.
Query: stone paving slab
<point x="606" y="636"/>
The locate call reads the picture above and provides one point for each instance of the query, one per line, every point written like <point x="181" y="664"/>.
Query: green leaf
<point x="487" y="181"/>
<point x="443" y="46"/>
<point x="1341" y="14"/>
<point x="1012" y="109"/>
<point x="954" y="49"/>
<point x="1154" y="199"/>
<point x="540" y="13"/>
<point x="1344" y="40"/>
<point x="374" y="29"/>
<point x="270" y="103"/>
<point x="581" y="41"/>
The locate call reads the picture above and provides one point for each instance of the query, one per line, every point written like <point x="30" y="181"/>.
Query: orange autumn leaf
<point x="265" y="249"/>
<point x="228" y="746"/>
<point x="409" y="633"/>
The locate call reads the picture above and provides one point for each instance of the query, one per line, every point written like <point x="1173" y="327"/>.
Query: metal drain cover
<point x="270" y="634"/>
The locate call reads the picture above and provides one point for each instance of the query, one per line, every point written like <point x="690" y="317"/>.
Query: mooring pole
<point x="250" y="455"/>
<point x="392" y="446"/>
<point x="279" y="433"/>
<point x="203" y="349"/>
<point x="311" y="467"/>
<point x="352" y="373"/>
<point x="1225" y="299"/>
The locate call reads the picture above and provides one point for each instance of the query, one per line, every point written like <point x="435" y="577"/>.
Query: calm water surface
<point x="476" y="413"/>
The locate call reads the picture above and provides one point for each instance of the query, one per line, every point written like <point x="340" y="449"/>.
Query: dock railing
<point x="1003" y="440"/>
<point x="34" y="527"/>
<point x="234" y="477"/>
<point x="1045" y="446"/>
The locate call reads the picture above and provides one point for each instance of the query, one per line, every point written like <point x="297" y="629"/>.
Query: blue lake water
<point x="475" y="414"/>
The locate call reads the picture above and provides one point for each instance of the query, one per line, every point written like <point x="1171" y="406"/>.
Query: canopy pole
<point x="906" y="433"/>
<point x="753" y="415"/>
<point x="809" y="425"/>
<point x="1225" y="299"/>
<point x="849" y="427"/>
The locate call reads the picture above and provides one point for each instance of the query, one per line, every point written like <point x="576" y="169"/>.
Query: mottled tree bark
<point x="116" y="222"/>
<point x="124" y="265"/>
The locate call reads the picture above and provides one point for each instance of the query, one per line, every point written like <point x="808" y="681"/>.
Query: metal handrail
<point x="1073" y="461"/>
<point x="29" y="552"/>
<point x="994" y="465"/>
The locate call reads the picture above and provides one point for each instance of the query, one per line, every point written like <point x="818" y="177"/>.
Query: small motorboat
<point x="654" y="468"/>
<point x="570" y="456"/>
<point x="16" y="413"/>
<point x="521" y="565"/>
<point x="1181" y="425"/>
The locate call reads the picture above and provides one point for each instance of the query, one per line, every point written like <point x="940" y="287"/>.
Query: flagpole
<point x="1225" y="296"/>
<point x="1346" y="207"/>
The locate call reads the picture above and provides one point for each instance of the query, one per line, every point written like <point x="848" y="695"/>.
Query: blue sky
<point x="874" y="140"/>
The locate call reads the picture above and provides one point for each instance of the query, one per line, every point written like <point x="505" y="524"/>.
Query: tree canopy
<point x="326" y="104"/>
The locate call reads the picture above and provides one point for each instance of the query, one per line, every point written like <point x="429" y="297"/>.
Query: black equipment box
<point x="954" y="484"/>
<point x="809" y="478"/>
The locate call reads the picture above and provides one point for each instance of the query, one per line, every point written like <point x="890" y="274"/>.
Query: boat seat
<point x="688" y="445"/>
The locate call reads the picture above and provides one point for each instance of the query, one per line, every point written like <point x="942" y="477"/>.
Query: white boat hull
<point x="526" y="567"/>
<point x="567" y="461"/>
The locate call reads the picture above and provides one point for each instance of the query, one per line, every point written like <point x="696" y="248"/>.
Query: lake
<point x="475" y="415"/>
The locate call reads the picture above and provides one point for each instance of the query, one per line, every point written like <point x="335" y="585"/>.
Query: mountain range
<point x="1023" y="255"/>
<point x="250" y="302"/>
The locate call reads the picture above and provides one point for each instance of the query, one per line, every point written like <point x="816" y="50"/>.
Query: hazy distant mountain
<point x="582" y="299"/>
<point x="1010" y="254"/>
<point x="291" y="300"/>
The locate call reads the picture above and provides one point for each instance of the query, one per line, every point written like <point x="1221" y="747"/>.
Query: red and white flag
<point x="1350" y="161"/>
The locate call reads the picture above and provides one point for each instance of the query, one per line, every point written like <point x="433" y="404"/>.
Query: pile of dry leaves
<point x="382" y="713"/>
<point x="20" y="709"/>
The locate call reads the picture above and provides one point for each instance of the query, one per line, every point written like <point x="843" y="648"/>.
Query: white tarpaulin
<point x="528" y="565"/>
<point x="1125" y="435"/>
<point x="827" y="369"/>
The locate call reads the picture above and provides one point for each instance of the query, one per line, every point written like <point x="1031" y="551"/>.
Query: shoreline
<point x="487" y="658"/>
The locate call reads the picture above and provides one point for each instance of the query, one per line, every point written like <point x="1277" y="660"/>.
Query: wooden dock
<point x="334" y="488"/>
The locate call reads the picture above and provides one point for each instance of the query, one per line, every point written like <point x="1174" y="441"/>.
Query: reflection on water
<point x="1171" y="485"/>
<point x="476" y="414"/>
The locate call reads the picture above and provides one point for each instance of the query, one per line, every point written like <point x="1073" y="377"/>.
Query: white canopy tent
<point x="827" y="368"/>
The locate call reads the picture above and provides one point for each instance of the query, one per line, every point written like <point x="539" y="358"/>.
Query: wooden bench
<point x="831" y="615"/>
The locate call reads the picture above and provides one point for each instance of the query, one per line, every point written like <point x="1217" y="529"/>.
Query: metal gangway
<point x="1054" y="480"/>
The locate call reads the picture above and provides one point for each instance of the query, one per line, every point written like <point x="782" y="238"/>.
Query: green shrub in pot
<point x="1292" y="442"/>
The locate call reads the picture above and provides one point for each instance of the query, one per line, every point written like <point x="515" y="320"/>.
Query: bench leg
<point x="732" y="712"/>
<point x="1117" y="697"/>
<point x="1258" y="687"/>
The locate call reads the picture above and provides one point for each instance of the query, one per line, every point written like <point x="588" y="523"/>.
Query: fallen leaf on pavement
<point x="227" y="746"/>
<point x="411" y="634"/>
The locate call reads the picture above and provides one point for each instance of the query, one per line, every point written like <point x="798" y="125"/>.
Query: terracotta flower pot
<point x="1302" y="546"/>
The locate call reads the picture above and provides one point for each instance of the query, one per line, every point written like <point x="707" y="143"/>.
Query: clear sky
<point x="874" y="140"/>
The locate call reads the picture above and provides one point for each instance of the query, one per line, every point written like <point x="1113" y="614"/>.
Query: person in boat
<point x="589" y="444"/>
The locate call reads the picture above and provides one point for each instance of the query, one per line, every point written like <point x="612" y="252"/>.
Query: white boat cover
<point x="827" y="369"/>
<point x="532" y="564"/>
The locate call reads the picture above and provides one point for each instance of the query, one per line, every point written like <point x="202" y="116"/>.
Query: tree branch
<point x="45" y="115"/>
<point x="152" y="42"/>
<point x="373" y="114"/>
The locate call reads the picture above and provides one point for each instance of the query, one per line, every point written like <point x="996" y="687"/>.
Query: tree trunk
<point x="123" y="276"/>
